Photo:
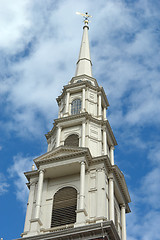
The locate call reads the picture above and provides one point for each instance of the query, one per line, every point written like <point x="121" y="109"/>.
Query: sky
<point x="39" y="46"/>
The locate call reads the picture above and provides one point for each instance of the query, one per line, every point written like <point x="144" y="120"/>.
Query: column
<point x="83" y="133"/>
<point x="99" y="105"/>
<point x="67" y="102"/>
<point x="58" y="136"/>
<point x="104" y="141"/>
<point x="111" y="198"/>
<point x="83" y="99"/>
<point x="123" y="221"/>
<point x="104" y="113"/>
<point x="112" y="155"/>
<point x="29" y="207"/>
<point x="39" y="193"/>
<point x="82" y="186"/>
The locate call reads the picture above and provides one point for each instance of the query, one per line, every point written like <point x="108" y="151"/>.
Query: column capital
<point x="112" y="147"/>
<point x="41" y="170"/>
<point x="32" y="184"/>
<point x="104" y="128"/>
<point x="100" y="169"/>
<point x="110" y="176"/>
<point x="123" y="205"/>
<point x="59" y="127"/>
<point x="82" y="162"/>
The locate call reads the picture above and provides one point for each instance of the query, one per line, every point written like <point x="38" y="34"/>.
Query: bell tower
<point x="77" y="191"/>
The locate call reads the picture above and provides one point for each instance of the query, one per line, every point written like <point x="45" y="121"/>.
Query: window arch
<point x="64" y="207"/>
<point x="76" y="106"/>
<point x="72" y="140"/>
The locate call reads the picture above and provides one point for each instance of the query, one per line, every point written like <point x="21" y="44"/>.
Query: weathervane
<point x="86" y="16"/>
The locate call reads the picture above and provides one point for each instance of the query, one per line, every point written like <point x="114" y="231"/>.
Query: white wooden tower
<point x="77" y="192"/>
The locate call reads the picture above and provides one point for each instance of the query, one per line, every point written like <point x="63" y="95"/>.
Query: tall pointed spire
<point x="84" y="64"/>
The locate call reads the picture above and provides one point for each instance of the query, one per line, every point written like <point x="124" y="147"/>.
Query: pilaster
<point x="112" y="155"/>
<point x="81" y="212"/>
<point x="111" y="197"/>
<point x="123" y="221"/>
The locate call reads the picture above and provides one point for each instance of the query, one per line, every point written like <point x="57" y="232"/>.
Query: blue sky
<point x="39" y="46"/>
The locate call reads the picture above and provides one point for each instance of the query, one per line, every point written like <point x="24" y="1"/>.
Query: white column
<point x="83" y="99"/>
<point x="104" y="141"/>
<point x="58" y="136"/>
<point x="83" y="133"/>
<point x="111" y="198"/>
<point x="29" y="207"/>
<point x="39" y="193"/>
<point x="82" y="185"/>
<point x="67" y="102"/>
<point x="99" y="105"/>
<point x="104" y="113"/>
<point x="112" y="155"/>
<point x="123" y="221"/>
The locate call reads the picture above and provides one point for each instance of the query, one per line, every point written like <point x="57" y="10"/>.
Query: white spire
<point x="84" y="64"/>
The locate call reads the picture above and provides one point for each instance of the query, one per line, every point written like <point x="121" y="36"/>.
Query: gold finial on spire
<point x="86" y="16"/>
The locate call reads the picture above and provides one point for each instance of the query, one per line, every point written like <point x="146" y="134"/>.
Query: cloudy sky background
<point x="39" y="46"/>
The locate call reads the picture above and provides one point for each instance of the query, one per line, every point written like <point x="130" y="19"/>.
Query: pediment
<point x="61" y="151"/>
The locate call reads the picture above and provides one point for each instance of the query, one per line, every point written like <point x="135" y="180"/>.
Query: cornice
<point x="79" y="84"/>
<point x="111" y="132"/>
<point x="72" y="153"/>
<point x="83" y="84"/>
<point x="84" y="77"/>
<point x="103" y="158"/>
<point x="122" y="183"/>
<point x="80" y="117"/>
<point x="104" y="96"/>
<point x="89" y="231"/>
<point x="31" y="174"/>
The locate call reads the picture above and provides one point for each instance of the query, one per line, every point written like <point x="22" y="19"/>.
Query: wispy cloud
<point x="16" y="172"/>
<point x="3" y="184"/>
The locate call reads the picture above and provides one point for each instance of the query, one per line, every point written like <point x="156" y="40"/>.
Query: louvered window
<point x="72" y="140"/>
<point x="76" y="106"/>
<point x="64" y="207"/>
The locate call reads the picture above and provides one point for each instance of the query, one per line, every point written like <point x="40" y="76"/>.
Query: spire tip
<point x="85" y="16"/>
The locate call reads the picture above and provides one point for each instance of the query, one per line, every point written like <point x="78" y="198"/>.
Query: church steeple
<point x="77" y="192"/>
<point x="84" y="64"/>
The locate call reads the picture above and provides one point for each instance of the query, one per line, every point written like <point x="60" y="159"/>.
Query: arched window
<point x="72" y="140"/>
<point x="64" y="207"/>
<point x="76" y="106"/>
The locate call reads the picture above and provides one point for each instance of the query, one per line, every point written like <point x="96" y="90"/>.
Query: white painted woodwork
<point x="82" y="186"/>
<point x="39" y="193"/>
<point x="112" y="155"/>
<point x="123" y="221"/>
<point x="29" y="207"/>
<point x="104" y="142"/>
<point x="83" y="99"/>
<point x="98" y="191"/>
<point x="84" y="64"/>
<point x="111" y="198"/>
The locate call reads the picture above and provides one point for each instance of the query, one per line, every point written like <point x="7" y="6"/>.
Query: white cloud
<point x="129" y="59"/>
<point x="16" y="172"/>
<point x="143" y="221"/>
<point x="14" y="22"/>
<point x="3" y="184"/>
